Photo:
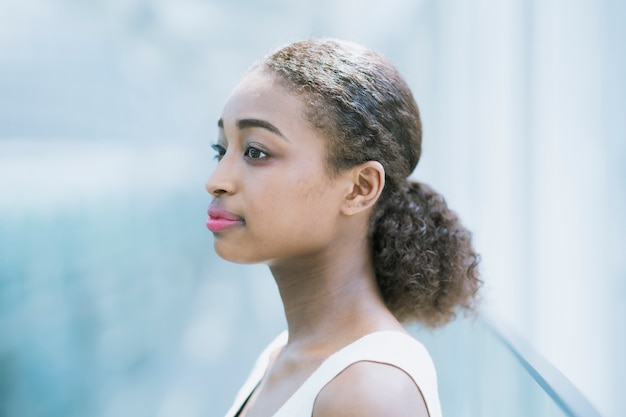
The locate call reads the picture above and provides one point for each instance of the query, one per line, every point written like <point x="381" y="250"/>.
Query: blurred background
<point x="112" y="302"/>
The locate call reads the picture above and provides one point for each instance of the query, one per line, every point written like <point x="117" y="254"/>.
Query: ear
<point x="368" y="180"/>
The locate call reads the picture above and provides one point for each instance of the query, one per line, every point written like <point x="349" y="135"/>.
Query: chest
<point x="280" y="383"/>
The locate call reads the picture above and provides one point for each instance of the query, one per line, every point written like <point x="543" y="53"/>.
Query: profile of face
<point x="273" y="196"/>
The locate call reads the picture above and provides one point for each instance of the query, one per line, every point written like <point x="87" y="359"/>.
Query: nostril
<point x="216" y="191"/>
<point x="219" y="184"/>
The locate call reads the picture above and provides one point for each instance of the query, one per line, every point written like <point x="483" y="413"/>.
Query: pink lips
<point x="220" y="219"/>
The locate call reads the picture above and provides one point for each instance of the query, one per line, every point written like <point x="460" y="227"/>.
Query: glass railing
<point x="485" y="370"/>
<point x="551" y="380"/>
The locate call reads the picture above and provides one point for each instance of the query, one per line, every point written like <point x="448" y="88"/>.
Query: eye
<point x="220" y="151"/>
<point x="252" y="152"/>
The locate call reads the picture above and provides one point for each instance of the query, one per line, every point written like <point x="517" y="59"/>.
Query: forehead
<point x="260" y="95"/>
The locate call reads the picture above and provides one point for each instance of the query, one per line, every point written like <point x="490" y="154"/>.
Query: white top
<point x="388" y="347"/>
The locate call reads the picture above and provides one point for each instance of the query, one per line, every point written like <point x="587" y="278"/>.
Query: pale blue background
<point x="111" y="300"/>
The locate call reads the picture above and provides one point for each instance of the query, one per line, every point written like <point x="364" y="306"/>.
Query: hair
<point x="425" y="265"/>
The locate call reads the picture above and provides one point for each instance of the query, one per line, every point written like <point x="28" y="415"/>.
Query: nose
<point x="221" y="180"/>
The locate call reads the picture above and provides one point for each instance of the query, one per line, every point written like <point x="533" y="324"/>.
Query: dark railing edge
<point x="564" y="393"/>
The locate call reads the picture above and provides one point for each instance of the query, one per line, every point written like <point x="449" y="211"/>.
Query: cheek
<point x="310" y="205"/>
<point x="312" y="190"/>
<point x="295" y="200"/>
<point x="309" y="181"/>
<point x="288" y="215"/>
<point x="309" y="189"/>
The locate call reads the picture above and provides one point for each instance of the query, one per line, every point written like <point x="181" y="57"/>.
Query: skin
<point x="311" y="230"/>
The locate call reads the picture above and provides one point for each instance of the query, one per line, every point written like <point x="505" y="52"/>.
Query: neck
<point x="332" y="296"/>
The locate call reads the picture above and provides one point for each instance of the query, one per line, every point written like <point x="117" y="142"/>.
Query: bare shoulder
<point x="370" y="389"/>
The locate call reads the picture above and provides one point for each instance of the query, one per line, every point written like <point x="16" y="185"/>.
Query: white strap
<point x="388" y="347"/>
<point x="256" y="375"/>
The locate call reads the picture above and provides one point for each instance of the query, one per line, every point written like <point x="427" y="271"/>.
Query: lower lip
<point x="216" y="224"/>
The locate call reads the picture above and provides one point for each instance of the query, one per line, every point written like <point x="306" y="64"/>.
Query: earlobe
<point x="368" y="180"/>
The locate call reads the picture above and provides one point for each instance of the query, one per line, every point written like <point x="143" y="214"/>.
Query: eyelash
<point x="247" y="153"/>
<point x="220" y="151"/>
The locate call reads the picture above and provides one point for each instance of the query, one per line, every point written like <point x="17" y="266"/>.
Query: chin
<point x="234" y="254"/>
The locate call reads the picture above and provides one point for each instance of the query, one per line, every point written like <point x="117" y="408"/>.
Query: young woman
<point x="315" y="146"/>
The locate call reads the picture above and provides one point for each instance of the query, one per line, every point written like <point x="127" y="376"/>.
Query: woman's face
<point x="273" y="199"/>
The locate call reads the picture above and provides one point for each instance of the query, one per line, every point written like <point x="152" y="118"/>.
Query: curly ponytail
<point x="425" y="265"/>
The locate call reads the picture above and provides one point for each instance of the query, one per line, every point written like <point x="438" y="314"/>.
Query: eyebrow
<point x="251" y="123"/>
